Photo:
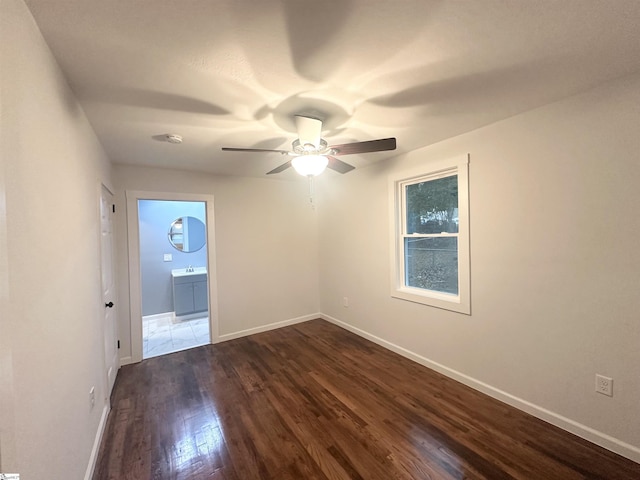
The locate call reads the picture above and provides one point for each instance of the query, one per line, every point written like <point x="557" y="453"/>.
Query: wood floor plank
<point x="313" y="401"/>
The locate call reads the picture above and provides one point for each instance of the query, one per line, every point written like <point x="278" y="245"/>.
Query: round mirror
<point x="187" y="234"/>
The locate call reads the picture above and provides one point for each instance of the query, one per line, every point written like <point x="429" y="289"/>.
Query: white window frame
<point x="461" y="302"/>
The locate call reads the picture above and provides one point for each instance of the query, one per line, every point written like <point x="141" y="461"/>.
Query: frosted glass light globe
<point x="310" y="165"/>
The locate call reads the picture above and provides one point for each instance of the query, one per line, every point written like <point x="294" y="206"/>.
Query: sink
<point x="183" y="272"/>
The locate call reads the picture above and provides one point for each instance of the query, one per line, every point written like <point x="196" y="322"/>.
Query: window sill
<point x="444" y="301"/>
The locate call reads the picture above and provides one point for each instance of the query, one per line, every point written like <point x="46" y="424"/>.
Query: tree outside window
<point x="431" y="228"/>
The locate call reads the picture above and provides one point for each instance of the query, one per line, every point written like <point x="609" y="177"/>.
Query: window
<point x="430" y="241"/>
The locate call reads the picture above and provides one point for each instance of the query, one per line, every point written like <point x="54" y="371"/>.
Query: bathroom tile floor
<point x="162" y="335"/>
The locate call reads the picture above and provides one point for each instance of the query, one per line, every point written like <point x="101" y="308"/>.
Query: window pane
<point x="432" y="263"/>
<point x="432" y="206"/>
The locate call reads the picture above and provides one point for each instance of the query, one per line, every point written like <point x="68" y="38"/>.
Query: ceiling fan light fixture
<point x="310" y="165"/>
<point x="311" y="154"/>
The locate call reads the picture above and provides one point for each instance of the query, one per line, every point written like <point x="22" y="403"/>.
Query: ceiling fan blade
<point x="232" y="149"/>
<point x="364" y="147"/>
<point x="281" y="168"/>
<point x="338" y="165"/>
<point x="309" y="130"/>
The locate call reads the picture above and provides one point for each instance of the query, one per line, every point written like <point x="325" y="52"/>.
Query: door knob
<point x="108" y="305"/>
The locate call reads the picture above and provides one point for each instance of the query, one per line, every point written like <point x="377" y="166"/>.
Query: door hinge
<point x="118" y="343"/>
<point x="113" y="208"/>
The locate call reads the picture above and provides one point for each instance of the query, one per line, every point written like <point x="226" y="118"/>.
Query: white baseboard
<point x="594" y="436"/>
<point x="243" y="333"/>
<point x="266" y="328"/>
<point x="96" y="443"/>
<point x="126" y="361"/>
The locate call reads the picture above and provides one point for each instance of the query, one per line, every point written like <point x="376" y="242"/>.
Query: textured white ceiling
<point x="234" y="72"/>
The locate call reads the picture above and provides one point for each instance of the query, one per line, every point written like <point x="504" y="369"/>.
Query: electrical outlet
<point x="92" y="397"/>
<point x="345" y="301"/>
<point x="168" y="257"/>
<point x="604" y="385"/>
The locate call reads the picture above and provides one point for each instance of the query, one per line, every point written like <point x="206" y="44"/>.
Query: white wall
<point x="265" y="246"/>
<point x="555" y="264"/>
<point x="7" y="427"/>
<point x="51" y="323"/>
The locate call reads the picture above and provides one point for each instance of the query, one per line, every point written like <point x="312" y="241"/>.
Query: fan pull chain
<point x="311" y="193"/>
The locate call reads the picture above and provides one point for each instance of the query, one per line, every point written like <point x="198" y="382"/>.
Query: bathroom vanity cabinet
<point x="190" y="293"/>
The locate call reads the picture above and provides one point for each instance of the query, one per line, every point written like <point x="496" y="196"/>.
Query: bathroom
<point x="174" y="280"/>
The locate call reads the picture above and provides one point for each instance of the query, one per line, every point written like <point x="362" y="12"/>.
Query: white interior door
<point x="108" y="288"/>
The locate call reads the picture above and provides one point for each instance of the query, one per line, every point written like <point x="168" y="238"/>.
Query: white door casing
<point x="108" y="289"/>
<point x="135" y="290"/>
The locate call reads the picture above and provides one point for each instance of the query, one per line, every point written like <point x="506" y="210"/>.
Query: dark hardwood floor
<point x="313" y="401"/>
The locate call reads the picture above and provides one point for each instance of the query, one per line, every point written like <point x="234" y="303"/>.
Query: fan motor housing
<point x="308" y="148"/>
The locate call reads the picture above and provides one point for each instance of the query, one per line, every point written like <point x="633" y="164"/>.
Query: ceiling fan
<point x="311" y="154"/>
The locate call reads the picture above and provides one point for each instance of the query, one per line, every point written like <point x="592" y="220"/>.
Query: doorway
<point x="172" y="275"/>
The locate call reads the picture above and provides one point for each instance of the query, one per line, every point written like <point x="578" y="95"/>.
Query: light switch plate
<point x="168" y="257"/>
